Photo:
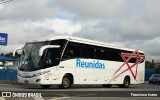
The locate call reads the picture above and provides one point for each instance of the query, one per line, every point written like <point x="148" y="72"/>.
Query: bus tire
<point x="45" y="86"/>
<point x="126" y="83"/>
<point x="106" y="85"/>
<point x="66" y="82"/>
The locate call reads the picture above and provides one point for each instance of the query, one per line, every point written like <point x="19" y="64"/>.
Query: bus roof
<point x="86" y="41"/>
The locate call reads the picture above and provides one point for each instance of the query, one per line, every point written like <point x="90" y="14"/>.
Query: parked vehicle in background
<point x="155" y="78"/>
<point x="1" y="65"/>
<point x="11" y="67"/>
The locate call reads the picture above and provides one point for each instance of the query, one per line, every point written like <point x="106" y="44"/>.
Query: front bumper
<point x="34" y="80"/>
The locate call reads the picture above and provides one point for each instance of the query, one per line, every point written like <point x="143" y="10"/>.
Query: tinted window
<point x="72" y="51"/>
<point x="60" y="42"/>
<point x="115" y="55"/>
<point x="79" y="50"/>
<point x="88" y="51"/>
<point x="52" y="56"/>
<point x="101" y="54"/>
<point x="132" y="59"/>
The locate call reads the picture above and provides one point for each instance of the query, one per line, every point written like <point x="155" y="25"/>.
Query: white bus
<point x="66" y="61"/>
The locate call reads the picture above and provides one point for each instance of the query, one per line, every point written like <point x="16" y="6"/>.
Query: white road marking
<point x="59" y="98"/>
<point x="38" y="98"/>
<point x="1" y="98"/>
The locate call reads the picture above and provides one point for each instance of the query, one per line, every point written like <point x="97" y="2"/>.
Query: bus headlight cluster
<point x="37" y="74"/>
<point x="40" y="73"/>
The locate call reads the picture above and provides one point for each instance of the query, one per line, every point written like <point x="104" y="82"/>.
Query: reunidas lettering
<point x="94" y="64"/>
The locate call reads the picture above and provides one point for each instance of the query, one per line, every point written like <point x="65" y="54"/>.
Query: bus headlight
<point x="40" y="73"/>
<point x="34" y="75"/>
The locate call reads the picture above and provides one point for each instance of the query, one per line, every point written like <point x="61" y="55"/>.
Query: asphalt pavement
<point x="143" y="91"/>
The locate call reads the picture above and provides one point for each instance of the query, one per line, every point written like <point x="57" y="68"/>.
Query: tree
<point x="157" y="70"/>
<point x="148" y="64"/>
<point x="9" y="55"/>
<point x="2" y="54"/>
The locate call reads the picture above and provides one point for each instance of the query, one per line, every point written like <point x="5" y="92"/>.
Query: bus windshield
<point x="31" y="61"/>
<point x="30" y="56"/>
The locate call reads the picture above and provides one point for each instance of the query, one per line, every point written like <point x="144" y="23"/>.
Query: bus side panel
<point x="67" y="67"/>
<point x="113" y="73"/>
<point x="99" y="76"/>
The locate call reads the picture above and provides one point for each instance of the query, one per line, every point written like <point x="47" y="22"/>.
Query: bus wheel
<point x="45" y="86"/>
<point x="126" y="83"/>
<point x="66" y="82"/>
<point x="107" y="85"/>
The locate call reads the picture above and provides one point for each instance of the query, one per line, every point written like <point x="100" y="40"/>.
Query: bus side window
<point x="133" y="59"/>
<point x="72" y="51"/>
<point x="114" y="55"/>
<point x="52" y="57"/>
<point x="101" y="54"/>
<point x="88" y="52"/>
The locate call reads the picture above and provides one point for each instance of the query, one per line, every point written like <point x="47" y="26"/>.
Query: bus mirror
<point x="46" y="47"/>
<point x="15" y="50"/>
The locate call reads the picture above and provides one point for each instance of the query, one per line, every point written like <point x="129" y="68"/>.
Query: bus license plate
<point x="26" y="82"/>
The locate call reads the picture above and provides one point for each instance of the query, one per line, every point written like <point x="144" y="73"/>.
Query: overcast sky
<point x="127" y="23"/>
